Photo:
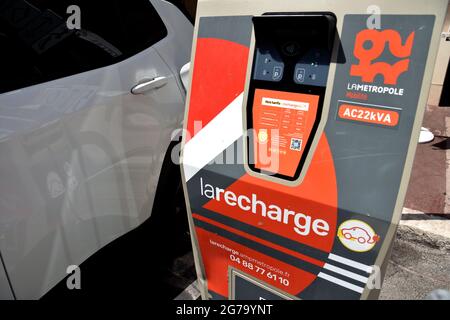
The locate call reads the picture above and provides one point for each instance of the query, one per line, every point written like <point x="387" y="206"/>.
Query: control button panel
<point x="268" y="65"/>
<point x="312" y="68"/>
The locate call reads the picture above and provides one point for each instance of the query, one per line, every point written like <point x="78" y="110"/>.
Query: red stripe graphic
<point x="262" y="241"/>
<point x="218" y="78"/>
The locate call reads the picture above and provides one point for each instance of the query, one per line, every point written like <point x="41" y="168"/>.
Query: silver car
<point x="90" y="94"/>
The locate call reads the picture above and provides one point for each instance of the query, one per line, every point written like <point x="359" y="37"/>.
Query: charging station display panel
<point x="286" y="90"/>
<point x="282" y="121"/>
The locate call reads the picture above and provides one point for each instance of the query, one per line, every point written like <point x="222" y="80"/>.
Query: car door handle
<point x="151" y="84"/>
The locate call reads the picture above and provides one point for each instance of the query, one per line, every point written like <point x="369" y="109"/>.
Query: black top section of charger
<point x="293" y="47"/>
<point x="292" y="54"/>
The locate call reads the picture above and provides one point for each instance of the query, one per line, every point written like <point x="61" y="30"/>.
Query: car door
<point x="80" y="154"/>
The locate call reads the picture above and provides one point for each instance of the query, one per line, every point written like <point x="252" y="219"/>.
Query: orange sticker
<point x="283" y="122"/>
<point x="382" y="117"/>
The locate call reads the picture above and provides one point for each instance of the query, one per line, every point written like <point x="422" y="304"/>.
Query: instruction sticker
<point x="283" y="122"/>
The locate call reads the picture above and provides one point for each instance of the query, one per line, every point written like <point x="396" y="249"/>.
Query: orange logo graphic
<point x="370" y="44"/>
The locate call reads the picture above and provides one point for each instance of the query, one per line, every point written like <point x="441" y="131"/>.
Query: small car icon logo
<point x="357" y="235"/>
<point x="360" y="235"/>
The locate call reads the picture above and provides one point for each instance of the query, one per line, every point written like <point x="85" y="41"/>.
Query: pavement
<point x="429" y="187"/>
<point x="420" y="261"/>
<point x="419" y="264"/>
<point x="427" y="191"/>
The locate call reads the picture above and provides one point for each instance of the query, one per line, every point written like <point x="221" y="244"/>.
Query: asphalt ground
<point x="420" y="261"/>
<point x="419" y="264"/>
<point x="427" y="187"/>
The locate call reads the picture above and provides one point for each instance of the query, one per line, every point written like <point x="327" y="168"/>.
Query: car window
<point x="188" y="7"/>
<point x="37" y="45"/>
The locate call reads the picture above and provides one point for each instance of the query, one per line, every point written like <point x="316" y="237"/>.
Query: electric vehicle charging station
<point x="301" y="127"/>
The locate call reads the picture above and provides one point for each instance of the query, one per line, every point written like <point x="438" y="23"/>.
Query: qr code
<point x="296" y="144"/>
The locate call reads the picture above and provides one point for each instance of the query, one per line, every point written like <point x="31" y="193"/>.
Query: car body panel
<point x="80" y="159"/>
<point x="178" y="43"/>
<point x="5" y="289"/>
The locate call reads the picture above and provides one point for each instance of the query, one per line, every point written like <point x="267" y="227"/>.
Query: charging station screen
<point x="283" y="122"/>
